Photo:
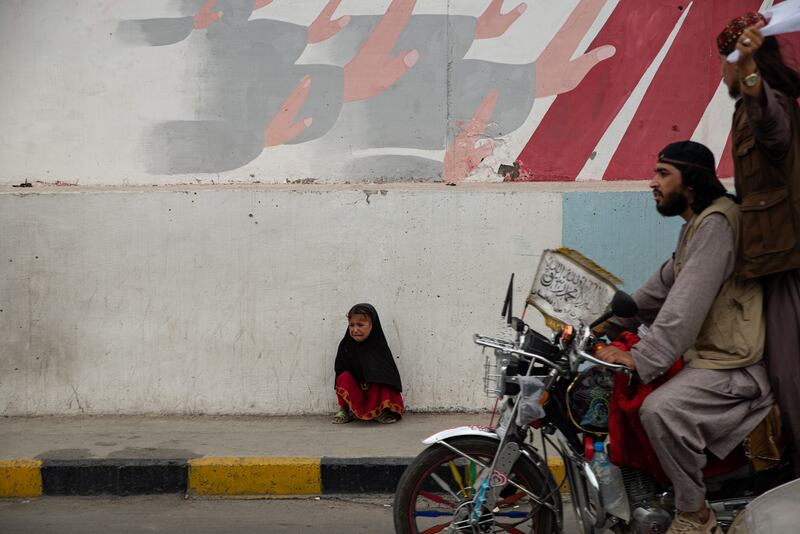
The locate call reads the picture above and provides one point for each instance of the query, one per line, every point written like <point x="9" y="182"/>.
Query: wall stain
<point x="370" y="192"/>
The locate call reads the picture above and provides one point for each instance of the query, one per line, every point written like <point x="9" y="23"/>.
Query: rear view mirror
<point x="623" y="305"/>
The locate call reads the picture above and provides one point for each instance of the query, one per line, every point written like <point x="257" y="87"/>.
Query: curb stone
<point x="208" y="476"/>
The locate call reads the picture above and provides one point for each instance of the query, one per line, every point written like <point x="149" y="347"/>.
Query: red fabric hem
<point x="367" y="404"/>
<point x="630" y="445"/>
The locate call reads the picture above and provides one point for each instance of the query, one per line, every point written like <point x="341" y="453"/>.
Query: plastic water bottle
<point x="612" y="487"/>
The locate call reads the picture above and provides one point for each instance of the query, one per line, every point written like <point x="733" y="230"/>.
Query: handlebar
<point x="614" y="366"/>
<point x="507" y="347"/>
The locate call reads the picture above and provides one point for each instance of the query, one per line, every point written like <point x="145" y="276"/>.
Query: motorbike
<point x="496" y="478"/>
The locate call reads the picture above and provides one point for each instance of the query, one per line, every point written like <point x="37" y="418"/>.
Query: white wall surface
<point x="154" y="301"/>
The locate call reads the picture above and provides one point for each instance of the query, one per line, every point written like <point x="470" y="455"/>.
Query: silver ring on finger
<point x="746" y="41"/>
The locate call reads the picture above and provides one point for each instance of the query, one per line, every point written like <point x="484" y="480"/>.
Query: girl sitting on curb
<point x="367" y="381"/>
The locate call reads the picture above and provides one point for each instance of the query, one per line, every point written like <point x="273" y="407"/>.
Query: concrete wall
<point x="131" y="281"/>
<point x="232" y="300"/>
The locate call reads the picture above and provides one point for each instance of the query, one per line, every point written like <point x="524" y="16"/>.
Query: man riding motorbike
<point x="695" y="307"/>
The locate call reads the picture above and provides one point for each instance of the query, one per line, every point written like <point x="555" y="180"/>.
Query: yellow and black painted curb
<point x="207" y="476"/>
<point x="20" y="478"/>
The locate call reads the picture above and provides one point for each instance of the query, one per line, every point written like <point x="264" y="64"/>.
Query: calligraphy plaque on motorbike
<point x="570" y="288"/>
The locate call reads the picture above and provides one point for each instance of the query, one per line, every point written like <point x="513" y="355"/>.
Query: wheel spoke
<point x="509" y="528"/>
<point x="436" y="498"/>
<point x="444" y="485"/>
<point x="432" y="513"/>
<point x="515" y="515"/>
<point x="457" y="477"/>
<point x="437" y="528"/>
<point x="509" y="500"/>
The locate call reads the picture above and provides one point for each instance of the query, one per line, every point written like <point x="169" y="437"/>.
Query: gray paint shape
<point x="426" y="107"/>
<point x="249" y="71"/>
<point x="154" y="32"/>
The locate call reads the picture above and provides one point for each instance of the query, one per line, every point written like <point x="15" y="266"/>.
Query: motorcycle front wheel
<point x="436" y="493"/>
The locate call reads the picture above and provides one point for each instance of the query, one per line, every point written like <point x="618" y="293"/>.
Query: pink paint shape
<point x="372" y="71"/>
<point x="258" y="4"/>
<point x="463" y="156"/>
<point x="492" y="23"/>
<point x="556" y="72"/>
<point x="205" y="17"/>
<point x="324" y="27"/>
<point x="283" y="128"/>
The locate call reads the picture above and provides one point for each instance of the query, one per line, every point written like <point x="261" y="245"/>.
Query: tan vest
<point x="732" y="335"/>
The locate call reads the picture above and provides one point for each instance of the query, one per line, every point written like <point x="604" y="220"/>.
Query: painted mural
<point x="366" y="90"/>
<point x="425" y="96"/>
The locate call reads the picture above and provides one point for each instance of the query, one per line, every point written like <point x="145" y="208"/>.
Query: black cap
<point x="688" y="153"/>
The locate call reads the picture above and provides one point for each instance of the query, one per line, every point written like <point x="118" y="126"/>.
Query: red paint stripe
<point x="680" y="92"/>
<point x="577" y="120"/>
<point x="725" y="165"/>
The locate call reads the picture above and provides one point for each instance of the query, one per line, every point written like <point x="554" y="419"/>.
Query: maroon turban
<point x="726" y="41"/>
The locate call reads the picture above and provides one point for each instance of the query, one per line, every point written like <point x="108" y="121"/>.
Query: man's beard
<point x="672" y="205"/>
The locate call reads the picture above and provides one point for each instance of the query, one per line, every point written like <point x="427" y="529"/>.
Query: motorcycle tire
<point x="418" y="489"/>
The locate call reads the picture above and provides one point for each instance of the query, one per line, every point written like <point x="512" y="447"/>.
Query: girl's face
<point x="359" y="326"/>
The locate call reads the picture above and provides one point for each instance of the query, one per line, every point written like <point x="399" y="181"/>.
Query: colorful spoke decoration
<point x="437" y="528"/>
<point x="445" y="498"/>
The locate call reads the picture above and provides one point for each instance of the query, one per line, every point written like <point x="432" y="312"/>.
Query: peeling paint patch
<point x="509" y="171"/>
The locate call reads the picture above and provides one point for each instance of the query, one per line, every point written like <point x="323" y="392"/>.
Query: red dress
<point x="367" y="404"/>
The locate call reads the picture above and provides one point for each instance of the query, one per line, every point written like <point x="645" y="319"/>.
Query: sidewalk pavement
<point x="212" y="455"/>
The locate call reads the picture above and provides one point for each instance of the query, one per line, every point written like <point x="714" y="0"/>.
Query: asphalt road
<point x="175" y="514"/>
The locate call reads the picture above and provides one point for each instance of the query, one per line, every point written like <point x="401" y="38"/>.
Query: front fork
<point x="511" y="436"/>
<point x="491" y="483"/>
<point x="495" y="479"/>
<point x="584" y="490"/>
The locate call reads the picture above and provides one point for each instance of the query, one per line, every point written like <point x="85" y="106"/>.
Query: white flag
<point x="783" y="18"/>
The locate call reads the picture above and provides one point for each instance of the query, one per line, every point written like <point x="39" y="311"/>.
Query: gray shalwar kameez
<point x="698" y="409"/>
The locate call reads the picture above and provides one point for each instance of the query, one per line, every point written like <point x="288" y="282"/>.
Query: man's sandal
<point x="342" y="417"/>
<point x="386" y="418"/>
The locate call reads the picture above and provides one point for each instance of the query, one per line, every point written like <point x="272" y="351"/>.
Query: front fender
<point x="473" y="430"/>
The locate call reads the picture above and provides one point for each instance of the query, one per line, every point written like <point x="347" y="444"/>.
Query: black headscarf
<point x="369" y="361"/>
